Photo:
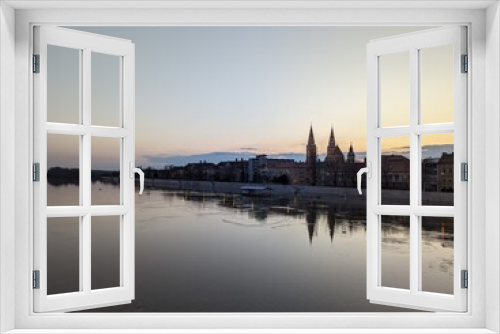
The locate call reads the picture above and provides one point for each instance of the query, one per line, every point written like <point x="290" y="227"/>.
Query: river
<point x="229" y="253"/>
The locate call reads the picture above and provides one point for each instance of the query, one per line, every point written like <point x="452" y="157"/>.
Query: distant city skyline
<point x="240" y="90"/>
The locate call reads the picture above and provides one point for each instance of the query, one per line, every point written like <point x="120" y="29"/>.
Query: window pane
<point x="395" y="89"/>
<point x="395" y="170"/>
<point x="63" y="173"/>
<point x="436" y="84"/>
<point x="395" y="251"/>
<point x="105" y="171"/>
<point x="105" y="90"/>
<point x="105" y="252"/>
<point x="437" y="169"/>
<point x="437" y="254"/>
<point x="63" y="255"/>
<point x="63" y="85"/>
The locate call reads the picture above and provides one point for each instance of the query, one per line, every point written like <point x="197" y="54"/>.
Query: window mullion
<point x="81" y="231"/>
<point x="85" y="173"/>
<point x="414" y="170"/>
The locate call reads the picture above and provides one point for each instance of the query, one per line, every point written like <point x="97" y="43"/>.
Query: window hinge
<point x="464" y="173"/>
<point x="465" y="279"/>
<point x="36" y="172"/>
<point x="36" y="63"/>
<point x="36" y="279"/>
<point x="465" y="64"/>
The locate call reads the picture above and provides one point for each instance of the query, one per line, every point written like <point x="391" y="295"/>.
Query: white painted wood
<point x="413" y="297"/>
<point x="461" y="155"/>
<point x="79" y="211"/>
<point x="40" y="156"/>
<point x="415" y="163"/>
<point x="82" y="221"/>
<point x="128" y="185"/>
<point x="245" y="4"/>
<point x="85" y="186"/>
<point x="492" y="185"/>
<point x="427" y="129"/>
<point x="86" y="297"/>
<point x="7" y="167"/>
<point x="256" y="331"/>
<point x="471" y="322"/>
<point x="407" y="210"/>
<point x="102" y="131"/>
<point x="76" y="129"/>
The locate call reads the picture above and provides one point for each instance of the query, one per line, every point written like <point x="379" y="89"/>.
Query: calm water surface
<point x="229" y="253"/>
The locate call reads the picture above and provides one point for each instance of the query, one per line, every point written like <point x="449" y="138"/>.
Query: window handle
<point x="139" y="171"/>
<point x="368" y="172"/>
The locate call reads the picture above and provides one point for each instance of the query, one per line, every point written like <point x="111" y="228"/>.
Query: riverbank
<point x="304" y="191"/>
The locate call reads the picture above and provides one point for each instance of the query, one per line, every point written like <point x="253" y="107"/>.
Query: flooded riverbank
<point x="232" y="253"/>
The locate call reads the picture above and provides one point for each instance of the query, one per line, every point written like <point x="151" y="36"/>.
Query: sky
<point x="228" y="92"/>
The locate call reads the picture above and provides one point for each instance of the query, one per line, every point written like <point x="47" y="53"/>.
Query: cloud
<point x="435" y="151"/>
<point x="428" y="151"/>
<point x="159" y="161"/>
<point x="214" y="157"/>
<point x="181" y="160"/>
<point x="248" y="149"/>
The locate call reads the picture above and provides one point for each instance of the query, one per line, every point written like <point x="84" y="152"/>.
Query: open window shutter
<point x="415" y="296"/>
<point x="85" y="295"/>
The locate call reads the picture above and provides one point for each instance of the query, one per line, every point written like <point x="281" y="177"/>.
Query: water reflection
<point x="205" y="252"/>
<point x="276" y="212"/>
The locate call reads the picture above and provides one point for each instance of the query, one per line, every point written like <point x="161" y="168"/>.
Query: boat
<point x="255" y="191"/>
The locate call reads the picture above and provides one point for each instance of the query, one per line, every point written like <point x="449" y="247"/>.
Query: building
<point x="284" y="171"/>
<point x="334" y="155"/>
<point x="336" y="170"/>
<point x="395" y="172"/>
<point x="200" y="171"/>
<point x="232" y="171"/>
<point x="430" y="174"/>
<point x="445" y="172"/>
<point x="311" y="158"/>
<point x="350" y="155"/>
<point x="437" y="173"/>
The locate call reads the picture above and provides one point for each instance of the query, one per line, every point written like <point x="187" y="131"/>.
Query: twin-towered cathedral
<point x="335" y="170"/>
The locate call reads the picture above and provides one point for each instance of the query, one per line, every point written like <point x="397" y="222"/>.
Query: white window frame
<point x="414" y="43"/>
<point x="86" y="44"/>
<point x="484" y="49"/>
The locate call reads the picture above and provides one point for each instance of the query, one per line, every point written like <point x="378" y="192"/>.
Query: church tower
<point x="334" y="155"/>
<point x="350" y="155"/>
<point x="330" y="150"/>
<point x="311" y="157"/>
